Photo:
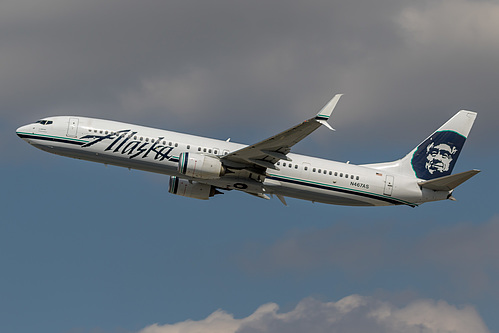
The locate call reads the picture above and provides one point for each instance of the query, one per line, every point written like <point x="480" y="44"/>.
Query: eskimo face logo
<point x="437" y="155"/>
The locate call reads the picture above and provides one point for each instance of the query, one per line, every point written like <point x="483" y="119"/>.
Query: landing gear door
<point x="73" y="127"/>
<point x="388" y="185"/>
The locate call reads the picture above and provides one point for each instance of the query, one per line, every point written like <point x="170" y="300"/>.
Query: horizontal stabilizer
<point x="448" y="183"/>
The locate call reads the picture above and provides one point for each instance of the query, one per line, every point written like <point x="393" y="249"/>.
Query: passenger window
<point x="290" y="165"/>
<point x="296" y="166"/>
<point x="278" y="163"/>
<point x="330" y="173"/>
<point x="188" y="146"/>
<point x="346" y="175"/>
<point x="325" y="171"/>
<point x="283" y="163"/>
<point x="216" y="152"/>
<point x="306" y="168"/>
<point x="341" y="175"/>
<point x="171" y="144"/>
<point x="351" y="177"/>
<point x="313" y="170"/>
<point x="147" y="139"/>
<point x="199" y="148"/>
<point x="209" y="151"/>
<point x="204" y="150"/>
<point x="357" y="178"/>
<point x="176" y="145"/>
<point x="319" y="171"/>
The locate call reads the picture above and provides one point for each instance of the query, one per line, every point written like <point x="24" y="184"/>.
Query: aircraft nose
<point x="22" y="131"/>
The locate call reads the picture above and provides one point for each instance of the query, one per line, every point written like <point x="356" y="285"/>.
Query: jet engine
<point x="200" y="166"/>
<point x="191" y="189"/>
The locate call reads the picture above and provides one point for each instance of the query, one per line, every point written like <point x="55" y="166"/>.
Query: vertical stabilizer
<point x="436" y="156"/>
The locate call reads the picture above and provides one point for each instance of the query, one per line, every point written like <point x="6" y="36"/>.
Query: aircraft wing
<point x="266" y="153"/>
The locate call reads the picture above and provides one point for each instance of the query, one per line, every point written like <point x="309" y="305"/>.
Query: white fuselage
<point x="156" y="150"/>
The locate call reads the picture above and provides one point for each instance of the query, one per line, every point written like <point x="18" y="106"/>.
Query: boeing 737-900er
<point x="201" y="167"/>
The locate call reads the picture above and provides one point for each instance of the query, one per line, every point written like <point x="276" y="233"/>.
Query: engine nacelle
<point x="200" y="166"/>
<point x="191" y="189"/>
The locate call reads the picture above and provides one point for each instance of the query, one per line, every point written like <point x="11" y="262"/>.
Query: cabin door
<point x="73" y="127"/>
<point x="388" y="185"/>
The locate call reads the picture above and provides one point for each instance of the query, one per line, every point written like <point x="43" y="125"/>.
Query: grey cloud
<point x="466" y="254"/>
<point x="354" y="313"/>
<point x="75" y="53"/>
<point x="469" y="251"/>
<point x="224" y="64"/>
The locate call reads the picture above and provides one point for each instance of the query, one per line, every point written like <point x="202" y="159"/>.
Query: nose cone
<point x="23" y="131"/>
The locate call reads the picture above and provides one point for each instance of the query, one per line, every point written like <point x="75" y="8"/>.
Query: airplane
<point x="201" y="167"/>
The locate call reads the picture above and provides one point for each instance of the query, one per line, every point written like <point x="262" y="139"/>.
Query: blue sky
<point x="89" y="248"/>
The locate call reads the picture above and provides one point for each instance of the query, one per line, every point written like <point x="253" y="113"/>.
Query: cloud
<point x="354" y="313"/>
<point x="453" y="22"/>
<point x="466" y="254"/>
<point x="201" y="62"/>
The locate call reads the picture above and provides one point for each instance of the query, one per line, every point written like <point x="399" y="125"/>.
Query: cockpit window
<point x="45" y="122"/>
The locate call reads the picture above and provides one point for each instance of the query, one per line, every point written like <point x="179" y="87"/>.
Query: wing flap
<point x="263" y="163"/>
<point x="448" y="183"/>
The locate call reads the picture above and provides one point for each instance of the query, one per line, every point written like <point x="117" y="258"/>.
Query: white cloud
<point x="218" y="322"/>
<point x="354" y="313"/>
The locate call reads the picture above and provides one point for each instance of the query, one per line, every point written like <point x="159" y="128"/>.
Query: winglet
<point x="327" y="110"/>
<point x="324" y="114"/>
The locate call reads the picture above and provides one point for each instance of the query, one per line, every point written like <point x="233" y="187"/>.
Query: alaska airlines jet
<point x="201" y="167"/>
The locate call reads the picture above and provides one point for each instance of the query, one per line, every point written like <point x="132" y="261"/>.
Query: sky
<point x="86" y="248"/>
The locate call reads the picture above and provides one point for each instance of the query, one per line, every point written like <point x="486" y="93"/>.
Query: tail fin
<point x="436" y="156"/>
